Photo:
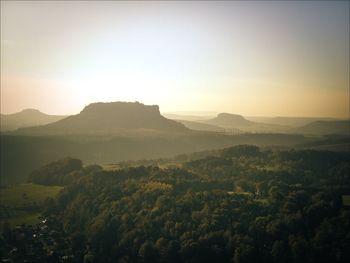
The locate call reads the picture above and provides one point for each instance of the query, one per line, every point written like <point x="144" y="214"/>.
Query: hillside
<point x="26" y="118"/>
<point x="230" y="121"/>
<point x="197" y="126"/>
<point x="109" y="119"/>
<point x="325" y="127"/>
<point x="340" y="143"/>
<point x="288" y="121"/>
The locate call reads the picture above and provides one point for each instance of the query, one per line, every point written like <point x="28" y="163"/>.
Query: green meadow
<point x="21" y="204"/>
<point x="346" y="200"/>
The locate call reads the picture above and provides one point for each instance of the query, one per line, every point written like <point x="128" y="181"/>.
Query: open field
<point x="23" y="194"/>
<point x="26" y="218"/>
<point x="346" y="200"/>
<point x="21" y="204"/>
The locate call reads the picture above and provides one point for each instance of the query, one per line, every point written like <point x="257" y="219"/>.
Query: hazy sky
<point x="253" y="58"/>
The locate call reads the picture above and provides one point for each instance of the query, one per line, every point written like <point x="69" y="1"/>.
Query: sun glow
<point x="249" y="59"/>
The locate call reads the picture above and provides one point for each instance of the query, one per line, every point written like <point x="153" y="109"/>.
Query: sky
<point x="278" y="58"/>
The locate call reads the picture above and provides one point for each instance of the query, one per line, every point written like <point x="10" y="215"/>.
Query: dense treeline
<point x="61" y="172"/>
<point x="243" y="205"/>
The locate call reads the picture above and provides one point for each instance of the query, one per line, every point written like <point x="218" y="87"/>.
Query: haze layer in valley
<point x="119" y="131"/>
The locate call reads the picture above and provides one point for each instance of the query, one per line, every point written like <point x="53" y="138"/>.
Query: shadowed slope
<point x="325" y="127"/>
<point x="198" y="126"/>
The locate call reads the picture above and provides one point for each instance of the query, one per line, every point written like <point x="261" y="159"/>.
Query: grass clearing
<point x="346" y="200"/>
<point x="25" y="218"/>
<point x="20" y="195"/>
<point x="16" y="203"/>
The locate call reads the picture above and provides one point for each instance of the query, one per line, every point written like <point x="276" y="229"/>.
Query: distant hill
<point x="197" y="126"/>
<point x="325" y="127"/>
<point x="230" y="121"/>
<point x="109" y="119"/>
<point x="26" y="118"/>
<point x="288" y="121"/>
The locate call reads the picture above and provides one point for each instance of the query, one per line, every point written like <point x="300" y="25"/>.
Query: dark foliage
<point x="61" y="172"/>
<point x="245" y="206"/>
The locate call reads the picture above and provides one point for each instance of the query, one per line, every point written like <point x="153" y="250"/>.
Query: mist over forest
<point x="105" y="133"/>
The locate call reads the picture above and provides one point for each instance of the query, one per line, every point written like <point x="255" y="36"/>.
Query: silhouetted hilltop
<point x="108" y="119"/>
<point x="234" y="122"/>
<point x="230" y="120"/>
<point x="26" y="118"/>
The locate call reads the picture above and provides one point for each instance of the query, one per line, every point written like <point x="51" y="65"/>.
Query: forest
<point x="241" y="204"/>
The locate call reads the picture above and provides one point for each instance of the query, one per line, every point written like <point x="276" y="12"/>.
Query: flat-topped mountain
<point x="108" y="119"/>
<point x="26" y="118"/>
<point x="230" y="120"/>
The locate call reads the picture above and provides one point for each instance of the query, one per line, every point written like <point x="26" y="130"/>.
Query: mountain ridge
<point x="109" y="118"/>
